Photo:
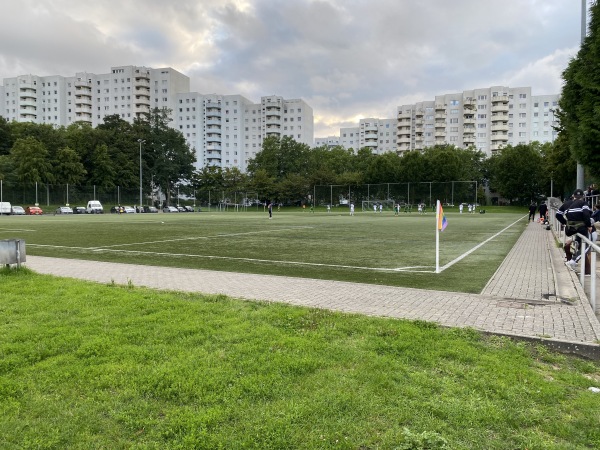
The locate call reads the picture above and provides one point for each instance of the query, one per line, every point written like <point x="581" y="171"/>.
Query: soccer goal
<point x="372" y="205"/>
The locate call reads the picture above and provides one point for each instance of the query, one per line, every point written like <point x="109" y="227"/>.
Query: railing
<point x="585" y="243"/>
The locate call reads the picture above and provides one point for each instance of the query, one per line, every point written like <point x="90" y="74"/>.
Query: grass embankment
<point x="94" y="366"/>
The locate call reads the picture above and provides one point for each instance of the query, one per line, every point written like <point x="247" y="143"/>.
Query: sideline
<point x="464" y="255"/>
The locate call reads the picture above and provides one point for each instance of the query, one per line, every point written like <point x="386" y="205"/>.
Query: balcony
<point x="500" y="99"/>
<point x="470" y="139"/>
<point x="371" y="144"/>
<point x="441" y="116"/>
<point x="27" y="102"/>
<point x="402" y="115"/>
<point x="27" y="93"/>
<point x="404" y="146"/>
<point x="419" y="113"/>
<point x="212" y="147"/>
<point x="500" y="108"/>
<point x="500" y="127"/>
<point x="213" y="123"/>
<point x="404" y="140"/>
<point x="213" y="138"/>
<point x="469" y="103"/>
<point x="214" y="113"/>
<point x="440" y="134"/>
<point x="469" y="121"/>
<point x="440" y="107"/>
<point x="497" y="137"/>
<point x="499" y="118"/>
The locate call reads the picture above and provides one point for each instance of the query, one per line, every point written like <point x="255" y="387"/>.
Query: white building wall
<point x="223" y="130"/>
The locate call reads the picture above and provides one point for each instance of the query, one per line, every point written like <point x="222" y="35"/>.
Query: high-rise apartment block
<point x="377" y="134"/>
<point x="224" y="130"/>
<point x="487" y="119"/>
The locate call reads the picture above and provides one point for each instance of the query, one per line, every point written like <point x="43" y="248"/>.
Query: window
<point x="522" y="95"/>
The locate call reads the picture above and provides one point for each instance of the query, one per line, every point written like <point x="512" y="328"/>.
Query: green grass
<point x="365" y="248"/>
<point x="88" y="366"/>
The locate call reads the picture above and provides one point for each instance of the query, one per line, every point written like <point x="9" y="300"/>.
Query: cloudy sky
<point x="348" y="59"/>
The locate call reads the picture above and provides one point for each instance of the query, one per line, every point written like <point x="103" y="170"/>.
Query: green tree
<point x="68" y="168"/>
<point x="513" y="172"/>
<point x="31" y="162"/>
<point x="579" y="103"/>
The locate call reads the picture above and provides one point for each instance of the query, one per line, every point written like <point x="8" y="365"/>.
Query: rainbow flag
<point x="442" y="222"/>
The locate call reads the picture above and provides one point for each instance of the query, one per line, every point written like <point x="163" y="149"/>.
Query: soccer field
<point x="368" y="247"/>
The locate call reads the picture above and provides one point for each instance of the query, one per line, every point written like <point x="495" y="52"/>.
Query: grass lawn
<point x="366" y="248"/>
<point x="89" y="366"/>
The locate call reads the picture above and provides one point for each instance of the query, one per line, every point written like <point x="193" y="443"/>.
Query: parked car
<point x="18" y="211"/>
<point x="79" y="210"/>
<point x="170" y="209"/>
<point x="188" y="208"/>
<point x="94" y="207"/>
<point x="139" y="209"/>
<point x="117" y="210"/>
<point x="63" y="210"/>
<point x="128" y="210"/>
<point x="150" y="209"/>
<point x="181" y="209"/>
<point x="33" y="211"/>
<point x="5" y="208"/>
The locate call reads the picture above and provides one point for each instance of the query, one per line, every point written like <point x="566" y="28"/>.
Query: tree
<point x="68" y="168"/>
<point x="579" y="103"/>
<point x="31" y="162"/>
<point x="513" y="172"/>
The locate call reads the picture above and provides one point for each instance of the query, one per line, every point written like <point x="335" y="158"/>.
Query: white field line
<point x="16" y="231"/>
<point x="464" y="255"/>
<point x="411" y="269"/>
<point x="195" y="238"/>
<point x="295" y="263"/>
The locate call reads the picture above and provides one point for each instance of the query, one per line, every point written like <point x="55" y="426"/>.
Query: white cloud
<point x="346" y="58"/>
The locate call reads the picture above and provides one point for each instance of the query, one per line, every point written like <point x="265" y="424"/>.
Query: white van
<point x="94" y="207"/>
<point x="5" y="208"/>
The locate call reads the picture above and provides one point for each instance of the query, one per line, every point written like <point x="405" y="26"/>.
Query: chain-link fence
<point x="449" y="193"/>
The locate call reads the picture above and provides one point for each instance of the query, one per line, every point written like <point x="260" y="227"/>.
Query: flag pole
<point x="437" y="237"/>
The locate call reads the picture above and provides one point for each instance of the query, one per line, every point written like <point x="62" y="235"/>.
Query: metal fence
<point x="449" y="193"/>
<point x="586" y="245"/>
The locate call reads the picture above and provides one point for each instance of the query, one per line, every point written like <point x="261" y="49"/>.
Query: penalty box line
<point x="464" y="255"/>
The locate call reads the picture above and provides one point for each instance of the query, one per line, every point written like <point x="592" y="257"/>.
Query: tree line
<point x="284" y="170"/>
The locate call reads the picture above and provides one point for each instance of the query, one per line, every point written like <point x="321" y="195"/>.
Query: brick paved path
<point x="523" y="298"/>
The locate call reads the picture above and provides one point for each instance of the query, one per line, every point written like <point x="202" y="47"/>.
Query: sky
<point x="348" y="59"/>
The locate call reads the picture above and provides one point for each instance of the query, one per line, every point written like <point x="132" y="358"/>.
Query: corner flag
<point x="440" y="225"/>
<point x="442" y="222"/>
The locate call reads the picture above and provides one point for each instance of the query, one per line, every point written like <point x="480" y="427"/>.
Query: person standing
<point x="543" y="209"/>
<point x="532" y="210"/>
<point x="575" y="215"/>
<point x="351" y="209"/>
<point x="270" y="208"/>
<point x="460" y="208"/>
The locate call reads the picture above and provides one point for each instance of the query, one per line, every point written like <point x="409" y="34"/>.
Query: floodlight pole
<point x="141" y="141"/>
<point x="580" y="171"/>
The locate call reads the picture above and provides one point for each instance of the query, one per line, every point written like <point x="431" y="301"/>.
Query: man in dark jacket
<point x="532" y="209"/>
<point x="543" y="211"/>
<point x="575" y="215"/>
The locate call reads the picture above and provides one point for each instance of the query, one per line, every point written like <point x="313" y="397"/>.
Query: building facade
<point x="224" y="130"/>
<point x="377" y="134"/>
<point x="487" y="119"/>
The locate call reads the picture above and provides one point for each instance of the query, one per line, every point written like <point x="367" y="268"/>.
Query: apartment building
<point x="228" y="130"/>
<point x="128" y="91"/>
<point x="487" y="119"/>
<point x="377" y="134"/>
<point x="329" y="141"/>
<point x="223" y="130"/>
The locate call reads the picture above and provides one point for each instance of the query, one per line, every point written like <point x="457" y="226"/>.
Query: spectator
<point x="576" y="217"/>
<point x="532" y="210"/>
<point x="543" y="212"/>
